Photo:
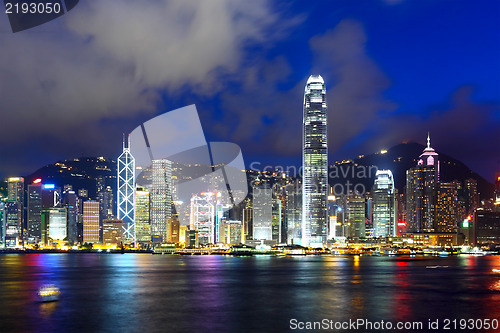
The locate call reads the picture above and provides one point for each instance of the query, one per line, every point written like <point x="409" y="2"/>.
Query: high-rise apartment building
<point x="315" y="163"/>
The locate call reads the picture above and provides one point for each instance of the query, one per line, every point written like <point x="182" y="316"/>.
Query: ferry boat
<point x="49" y="293"/>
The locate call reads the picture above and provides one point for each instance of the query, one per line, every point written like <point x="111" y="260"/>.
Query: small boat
<point x="49" y="293"/>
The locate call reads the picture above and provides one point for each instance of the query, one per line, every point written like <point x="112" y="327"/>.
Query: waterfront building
<point x="15" y="192"/>
<point x="315" y="163"/>
<point x="262" y="212"/>
<point x="470" y="185"/>
<point x="126" y="192"/>
<point x="357" y="216"/>
<point x="56" y="224"/>
<point x="70" y="201"/>
<point x="91" y="221"/>
<point x="112" y="232"/>
<point x="161" y="198"/>
<point x="202" y="217"/>
<point x="142" y="225"/>
<point x="486" y="227"/>
<point x="35" y="212"/>
<point x="173" y="230"/>
<point x="447" y="218"/>
<point x="11" y="224"/>
<point x="232" y="232"/>
<point x="293" y="212"/>
<point x="421" y="192"/>
<point x="247" y="218"/>
<point x="384" y="205"/>
<point x="276" y="227"/>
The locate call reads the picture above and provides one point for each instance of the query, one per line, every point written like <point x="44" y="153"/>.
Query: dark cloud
<point x="106" y="60"/>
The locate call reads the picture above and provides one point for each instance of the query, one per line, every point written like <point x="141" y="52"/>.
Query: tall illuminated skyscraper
<point x="315" y="163"/>
<point x="384" y="204"/>
<point x="15" y="187"/>
<point x="422" y="183"/>
<point x="161" y="198"/>
<point x="126" y="192"/>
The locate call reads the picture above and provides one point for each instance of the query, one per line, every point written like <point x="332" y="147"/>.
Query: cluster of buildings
<point x="280" y="208"/>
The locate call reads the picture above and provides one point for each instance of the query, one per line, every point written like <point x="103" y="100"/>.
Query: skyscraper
<point x="293" y="212"/>
<point x="15" y="193"/>
<point x="357" y="216"/>
<point x="447" y="219"/>
<point x="202" y="217"/>
<point x="473" y="196"/>
<point x="315" y="163"/>
<point x="91" y="222"/>
<point x="11" y="225"/>
<point x="142" y="225"/>
<point x="161" y="198"/>
<point x="384" y="204"/>
<point x="422" y="183"/>
<point x="126" y="192"/>
<point x="35" y="212"/>
<point x="262" y="212"/>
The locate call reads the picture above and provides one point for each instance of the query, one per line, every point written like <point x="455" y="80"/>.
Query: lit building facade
<point x="384" y="205"/>
<point x="35" y="212"/>
<point x="161" y="198"/>
<point x="11" y="224"/>
<point x="293" y="212"/>
<point x="57" y="223"/>
<point x="112" y="232"/>
<point x="422" y="184"/>
<point x="447" y="219"/>
<point x="126" y="192"/>
<point x="142" y="225"/>
<point x="357" y="216"/>
<point x="276" y="220"/>
<point x="91" y="221"/>
<point x="202" y="218"/>
<point x="15" y="187"/>
<point x="262" y="212"/>
<point x="315" y="163"/>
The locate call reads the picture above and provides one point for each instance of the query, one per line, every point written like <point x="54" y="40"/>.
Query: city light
<point x="49" y="186"/>
<point x="37" y="181"/>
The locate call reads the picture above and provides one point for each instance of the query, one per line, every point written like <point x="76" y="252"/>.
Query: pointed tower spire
<point x="123" y="141"/>
<point x="428" y="140"/>
<point x="128" y="141"/>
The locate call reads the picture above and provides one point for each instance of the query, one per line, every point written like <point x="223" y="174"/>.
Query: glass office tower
<point x="315" y="164"/>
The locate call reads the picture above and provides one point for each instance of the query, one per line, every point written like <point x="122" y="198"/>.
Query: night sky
<point x="394" y="70"/>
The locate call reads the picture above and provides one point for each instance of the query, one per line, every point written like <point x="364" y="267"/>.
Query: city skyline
<point x="420" y="71"/>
